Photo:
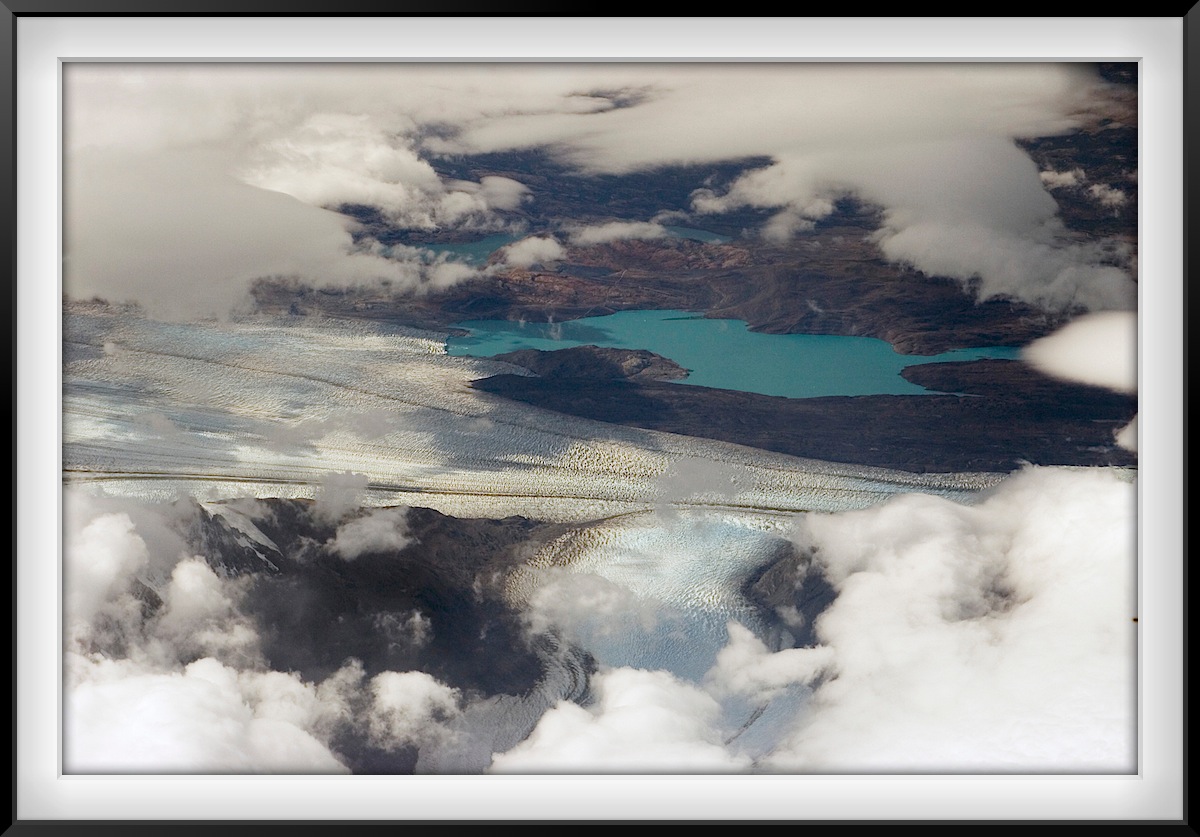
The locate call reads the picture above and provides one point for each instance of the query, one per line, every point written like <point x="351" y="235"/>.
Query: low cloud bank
<point x="995" y="636"/>
<point x="164" y="670"/>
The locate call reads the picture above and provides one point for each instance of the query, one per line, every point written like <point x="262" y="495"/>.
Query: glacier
<point x="270" y="407"/>
<point x="657" y="533"/>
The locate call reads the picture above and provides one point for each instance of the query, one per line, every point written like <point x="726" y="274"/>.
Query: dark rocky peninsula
<point x="1001" y="413"/>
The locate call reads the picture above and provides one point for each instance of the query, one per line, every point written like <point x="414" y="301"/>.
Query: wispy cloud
<point x="379" y="530"/>
<point x="616" y="231"/>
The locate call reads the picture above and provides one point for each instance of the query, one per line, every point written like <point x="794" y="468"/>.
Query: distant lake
<point x="477" y="252"/>
<point x="473" y="252"/>
<point x="724" y="353"/>
<point x="697" y="235"/>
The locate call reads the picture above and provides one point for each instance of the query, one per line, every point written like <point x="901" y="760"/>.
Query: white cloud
<point x="1030" y="268"/>
<point x="964" y="206"/>
<point x="701" y="113"/>
<point x="534" y="250"/>
<point x="442" y="274"/>
<point x="339" y="493"/>
<point x="1107" y="195"/>
<point x="365" y="423"/>
<point x="1099" y="349"/>
<point x="993" y="636"/>
<point x="690" y="477"/>
<point x="747" y="667"/>
<point x="641" y="721"/>
<point x="186" y="688"/>
<point x="409" y="708"/>
<point x="101" y="557"/>
<point x="1127" y="436"/>
<point x="990" y="638"/>
<point x="200" y="616"/>
<point x="176" y="233"/>
<point x="1063" y="179"/>
<point x="584" y="606"/>
<point x="120" y="717"/>
<point x="379" y="530"/>
<point x="410" y="629"/>
<point x="339" y="158"/>
<point x="585" y="236"/>
<point x="171" y="679"/>
<point x="933" y="145"/>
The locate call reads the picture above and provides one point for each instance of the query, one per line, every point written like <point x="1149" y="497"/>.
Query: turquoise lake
<point x="724" y="353"/>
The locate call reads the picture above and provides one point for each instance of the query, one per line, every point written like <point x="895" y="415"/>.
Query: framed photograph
<point x="543" y="419"/>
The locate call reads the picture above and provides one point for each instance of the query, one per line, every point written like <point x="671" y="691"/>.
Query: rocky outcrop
<point x="431" y="601"/>
<point x="597" y="362"/>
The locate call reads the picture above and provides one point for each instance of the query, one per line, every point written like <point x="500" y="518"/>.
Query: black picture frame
<point x="737" y="792"/>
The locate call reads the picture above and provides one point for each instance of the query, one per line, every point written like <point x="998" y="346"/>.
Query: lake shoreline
<point x="723" y="353"/>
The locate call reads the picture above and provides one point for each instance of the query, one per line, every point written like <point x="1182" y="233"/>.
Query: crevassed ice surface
<point x="272" y="407"/>
<point x="690" y="563"/>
